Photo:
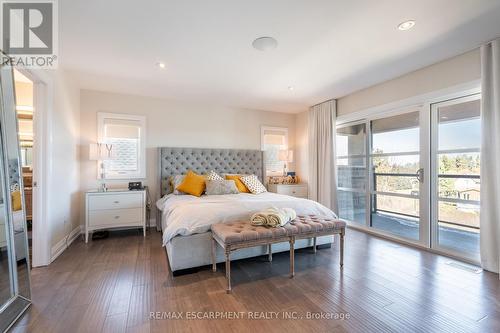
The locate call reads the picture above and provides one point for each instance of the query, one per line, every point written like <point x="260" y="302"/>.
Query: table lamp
<point x="285" y="155"/>
<point x="101" y="152"/>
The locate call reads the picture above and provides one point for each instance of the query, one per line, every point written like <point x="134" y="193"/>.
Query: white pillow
<point x="212" y="175"/>
<point x="219" y="187"/>
<point x="253" y="184"/>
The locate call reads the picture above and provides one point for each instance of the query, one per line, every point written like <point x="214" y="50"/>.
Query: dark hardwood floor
<point x="112" y="285"/>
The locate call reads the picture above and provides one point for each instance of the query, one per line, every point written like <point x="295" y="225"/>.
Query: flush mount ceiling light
<point x="406" y="25"/>
<point x="265" y="43"/>
<point x="161" y="65"/>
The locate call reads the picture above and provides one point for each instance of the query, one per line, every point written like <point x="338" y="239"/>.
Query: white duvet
<point x="186" y="214"/>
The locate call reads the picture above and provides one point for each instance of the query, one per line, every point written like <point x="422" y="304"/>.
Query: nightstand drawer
<point x="115" y="201"/>
<point x="115" y="217"/>
<point x="294" y="190"/>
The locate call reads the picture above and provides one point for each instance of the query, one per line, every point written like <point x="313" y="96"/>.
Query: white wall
<point x="58" y="101"/>
<point x="173" y="123"/>
<point x="451" y="72"/>
<point x="64" y="177"/>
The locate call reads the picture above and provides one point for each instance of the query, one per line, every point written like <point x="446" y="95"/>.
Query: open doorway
<point x="24" y="90"/>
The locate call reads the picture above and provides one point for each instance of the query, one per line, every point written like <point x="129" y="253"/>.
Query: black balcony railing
<point x="446" y="176"/>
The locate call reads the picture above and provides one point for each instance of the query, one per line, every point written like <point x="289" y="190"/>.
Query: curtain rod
<point x="328" y="100"/>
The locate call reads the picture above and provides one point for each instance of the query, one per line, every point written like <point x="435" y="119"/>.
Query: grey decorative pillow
<point x="253" y="184"/>
<point x="176" y="181"/>
<point x="218" y="187"/>
<point x="212" y="175"/>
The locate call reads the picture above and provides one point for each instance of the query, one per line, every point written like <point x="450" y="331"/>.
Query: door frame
<point x="423" y="153"/>
<point x="423" y="101"/>
<point x="434" y="168"/>
<point x="43" y="96"/>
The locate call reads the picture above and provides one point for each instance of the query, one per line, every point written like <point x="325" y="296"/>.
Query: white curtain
<point x="322" y="178"/>
<point x="490" y="156"/>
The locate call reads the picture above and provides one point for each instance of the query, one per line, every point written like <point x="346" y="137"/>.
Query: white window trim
<point x="142" y="149"/>
<point x="263" y="130"/>
<point x="419" y="101"/>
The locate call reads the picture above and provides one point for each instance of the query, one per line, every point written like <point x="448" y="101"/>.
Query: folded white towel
<point x="259" y="219"/>
<point x="273" y="217"/>
<point x="290" y="214"/>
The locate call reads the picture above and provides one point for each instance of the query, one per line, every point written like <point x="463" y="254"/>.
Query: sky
<point x="452" y="135"/>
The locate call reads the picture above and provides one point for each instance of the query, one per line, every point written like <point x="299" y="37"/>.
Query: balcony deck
<point x="407" y="227"/>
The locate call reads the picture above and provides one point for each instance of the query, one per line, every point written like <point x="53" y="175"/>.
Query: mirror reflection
<point x="14" y="259"/>
<point x="6" y="278"/>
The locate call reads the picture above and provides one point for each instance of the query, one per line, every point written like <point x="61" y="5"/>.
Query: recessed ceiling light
<point x="161" y="65"/>
<point x="265" y="43"/>
<point x="406" y="25"/>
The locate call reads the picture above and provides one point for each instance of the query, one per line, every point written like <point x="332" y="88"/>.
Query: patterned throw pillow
<point x="14" y="187"/>
<point x="212" y="175"/>
<point x="253" y="184"/>
<point x="218" y="187"/>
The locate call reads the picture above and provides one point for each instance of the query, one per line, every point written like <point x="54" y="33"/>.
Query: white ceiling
<point x="327" y="48"/>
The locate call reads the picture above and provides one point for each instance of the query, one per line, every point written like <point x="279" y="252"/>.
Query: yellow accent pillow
<point x="16" y="200"/>
<point x="193" y="184"/>
<point x="239" y="184"/>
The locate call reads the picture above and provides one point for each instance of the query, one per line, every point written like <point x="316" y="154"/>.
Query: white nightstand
<point x="294" y="190"/>
<point x="114" y="209"/>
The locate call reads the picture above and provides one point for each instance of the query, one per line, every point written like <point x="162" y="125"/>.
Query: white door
<point x="456" y="182"/>
<point x="381" y="174"/>
<point x="397" y="175"/>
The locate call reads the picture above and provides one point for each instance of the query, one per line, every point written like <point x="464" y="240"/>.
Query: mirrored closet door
<point x="14" y="258"/>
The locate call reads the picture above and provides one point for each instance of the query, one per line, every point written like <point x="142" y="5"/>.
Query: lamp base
<point x="103" y="188"/>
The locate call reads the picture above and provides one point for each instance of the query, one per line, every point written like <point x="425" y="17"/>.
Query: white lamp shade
<point x="286" y="155"/>
<point x="100" y="152"/>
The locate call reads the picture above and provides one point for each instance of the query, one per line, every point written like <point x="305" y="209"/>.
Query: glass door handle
<point x="420" y="175"/>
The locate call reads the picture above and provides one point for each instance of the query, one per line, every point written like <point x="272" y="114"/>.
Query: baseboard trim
<point x="64" y="243"/>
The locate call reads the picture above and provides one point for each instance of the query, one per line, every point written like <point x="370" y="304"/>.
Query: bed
<point x="185" y="220"/>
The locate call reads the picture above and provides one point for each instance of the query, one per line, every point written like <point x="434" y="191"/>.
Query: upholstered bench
<point x="239" y="235"/>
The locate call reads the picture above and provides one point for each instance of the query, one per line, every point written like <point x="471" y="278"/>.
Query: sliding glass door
<point x="456" y="182"/>
<point x="415" y="175"/>
<point x="352" y="172"/>
<point x="396" y="175"/>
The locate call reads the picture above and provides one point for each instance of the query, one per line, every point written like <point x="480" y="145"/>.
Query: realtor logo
<point x="29" y="32"/>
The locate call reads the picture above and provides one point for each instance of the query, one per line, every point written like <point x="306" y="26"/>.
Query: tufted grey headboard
<point x="176" y="161"/>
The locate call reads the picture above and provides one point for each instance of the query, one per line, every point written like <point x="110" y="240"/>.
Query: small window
<point x="274" y="139"/>
<point x="126" y="134"/>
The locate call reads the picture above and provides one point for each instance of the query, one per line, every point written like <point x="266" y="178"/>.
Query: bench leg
<point x="342" y="233"/>
<point x="292" y="257"/>
<point x="269" y="253"/>
<point x="214" y="265"/>
<point x="228" y="271"/>
<point x="314" y="245"/>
